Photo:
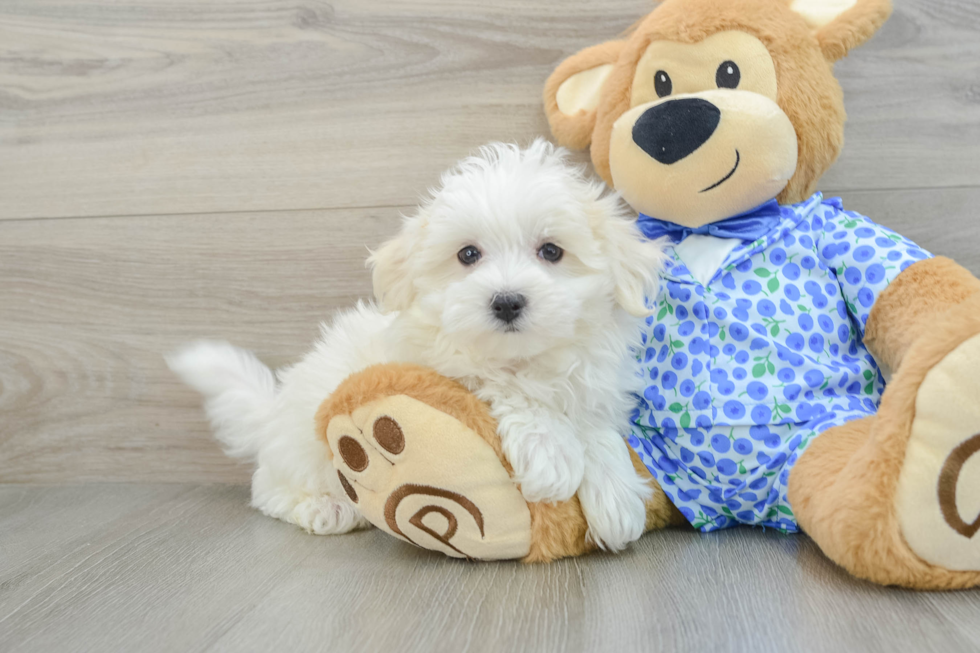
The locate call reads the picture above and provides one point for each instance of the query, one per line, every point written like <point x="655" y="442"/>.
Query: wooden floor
<point x="172" y="170"/>
<point x="189" y="568"/>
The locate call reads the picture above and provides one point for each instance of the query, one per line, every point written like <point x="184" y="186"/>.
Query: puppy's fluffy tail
<point x="239" y="393"/>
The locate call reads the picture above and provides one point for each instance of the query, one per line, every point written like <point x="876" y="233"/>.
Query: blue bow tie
<point x="748" y="226"/>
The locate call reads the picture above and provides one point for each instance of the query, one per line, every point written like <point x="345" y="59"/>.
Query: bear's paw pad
<point x="938" y="498"/>
<point x="424" y="477"/>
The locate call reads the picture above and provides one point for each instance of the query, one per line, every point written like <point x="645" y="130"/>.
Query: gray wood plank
<point x="944" y="221"/>
<point x="913" y="100"/>
<point x="113" y="108"/>
<point x="196" y="570"/>
<point x="90" y="306"/>
<point x="167" y="107"/>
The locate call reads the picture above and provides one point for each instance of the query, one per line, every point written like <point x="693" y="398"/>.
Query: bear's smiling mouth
<point x="738" y="159"/>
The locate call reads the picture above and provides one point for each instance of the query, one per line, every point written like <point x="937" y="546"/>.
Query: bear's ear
<point x="572" y="93"/>
<point x="840" y="25"/>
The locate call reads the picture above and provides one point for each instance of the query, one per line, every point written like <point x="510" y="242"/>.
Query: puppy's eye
<point x="469" y="255"/>
<point x="662" y="84"/>
<point x="728" y="75"/>
<point x="551" y="252"/>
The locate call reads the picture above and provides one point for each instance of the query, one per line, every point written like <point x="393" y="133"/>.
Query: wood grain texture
<point x="216" y="169"/>
<point x="91" y="305"/>
<point x="185" y="568"/>
<point x="122" y="108"/>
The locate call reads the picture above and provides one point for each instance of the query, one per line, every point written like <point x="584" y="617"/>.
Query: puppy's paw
<point x="548" y="468"/>
<point x="326" y="515"/>
<point x="615" y="509"/>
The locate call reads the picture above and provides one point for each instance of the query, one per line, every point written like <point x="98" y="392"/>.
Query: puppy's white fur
<point x="559" y="379"/>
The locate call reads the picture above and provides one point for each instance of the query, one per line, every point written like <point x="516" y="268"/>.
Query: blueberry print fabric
<point x="744" y="372"/>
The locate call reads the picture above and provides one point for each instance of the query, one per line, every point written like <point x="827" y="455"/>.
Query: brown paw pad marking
<point x="948" y="478"/>
<point x="405" y="491"/>
<point x="348" y="488"/>
<point x="389" y="435"/>
<point x="353" y="453"/>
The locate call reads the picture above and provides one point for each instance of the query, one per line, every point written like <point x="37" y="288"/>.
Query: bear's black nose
<point x="507" y="307"/>
<point x="670" y="131"/>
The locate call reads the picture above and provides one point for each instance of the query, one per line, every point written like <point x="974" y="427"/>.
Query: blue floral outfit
<point x="744" y="371"/>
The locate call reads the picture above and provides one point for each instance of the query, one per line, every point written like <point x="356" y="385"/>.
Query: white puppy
<point x="519" y="278"/>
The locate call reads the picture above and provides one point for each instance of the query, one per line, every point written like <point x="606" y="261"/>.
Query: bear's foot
<point x="895" y="498"/>
<point x="938" y="494"/>
<point x="420" y="457"/>
<point x="422" y="476"/>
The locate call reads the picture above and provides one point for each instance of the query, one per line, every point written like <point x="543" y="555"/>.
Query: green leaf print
<point x="785" y="510"/>
<point x="686" y="420"/>
<point x="773" y="284"/>
<point x="702" y="520"/>
<point x="675" y="407"/>
<point x="759" y="370"/>
<point x="662" y="313"/>
<point x="868" y="374"/>
<point x="774" y="330"/>
<point x="870" y="388"/>
<point x="762" y="272"/>
<point x="771" y="368"/>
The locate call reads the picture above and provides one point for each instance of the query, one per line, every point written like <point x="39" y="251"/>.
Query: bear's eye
<point x="662" y="84"/>
<point x="728" y="75"/>
<point x="469" y="255"/>
<point x="551" y="252"/>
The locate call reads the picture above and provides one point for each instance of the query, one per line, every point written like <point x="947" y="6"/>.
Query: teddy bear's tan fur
<point x="808" y="91"/>
<point x="557" y="530"/>
<point x="848" y="490"/>
<point x="843" y="488"/>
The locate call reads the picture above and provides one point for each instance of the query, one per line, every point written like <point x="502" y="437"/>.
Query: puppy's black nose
<point x="670" y="131"/>
<point x="507" y="307"/>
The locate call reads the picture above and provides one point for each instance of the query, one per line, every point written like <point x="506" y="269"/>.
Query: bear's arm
<point x="866" y="258"/>
<point x="893" y="289"/>
<point x="912" y="304"/>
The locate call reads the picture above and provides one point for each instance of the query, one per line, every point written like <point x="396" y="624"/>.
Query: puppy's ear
<point x="572" y="93"/>
<point x="390" y="273"/>
<point x="635" y="263"/>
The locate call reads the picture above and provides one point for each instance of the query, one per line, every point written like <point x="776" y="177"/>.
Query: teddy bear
<point x="805" y="368"/>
